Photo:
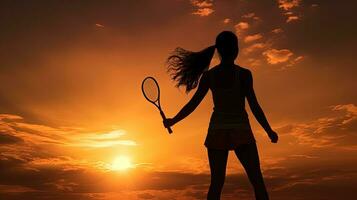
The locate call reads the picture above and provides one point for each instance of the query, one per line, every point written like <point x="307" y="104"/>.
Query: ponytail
<point x="186" y="67"/>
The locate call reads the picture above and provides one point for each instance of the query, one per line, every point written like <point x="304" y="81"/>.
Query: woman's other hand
<point x="273" y="136"/>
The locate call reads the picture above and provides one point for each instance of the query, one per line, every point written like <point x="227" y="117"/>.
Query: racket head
<point x="151" y="90"/>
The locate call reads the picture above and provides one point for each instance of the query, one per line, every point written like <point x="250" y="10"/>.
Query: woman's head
<point x="227" y="45"/>
<point x="186" y="67"/>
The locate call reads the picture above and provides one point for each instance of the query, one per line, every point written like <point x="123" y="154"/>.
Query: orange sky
<point x="74" y="124"/>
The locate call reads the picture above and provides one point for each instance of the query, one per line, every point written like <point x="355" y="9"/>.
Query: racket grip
<point x="164" y="118"/>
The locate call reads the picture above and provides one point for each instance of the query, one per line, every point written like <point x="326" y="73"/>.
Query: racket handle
<point x="169" y="130"/>
<point x="164" y="118"/>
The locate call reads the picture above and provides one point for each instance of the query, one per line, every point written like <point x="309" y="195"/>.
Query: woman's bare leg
<point x="248" y="156"/>
<point x="217" y="163"/>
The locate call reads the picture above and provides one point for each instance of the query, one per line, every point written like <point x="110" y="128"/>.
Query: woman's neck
<point x="227" y="62"/>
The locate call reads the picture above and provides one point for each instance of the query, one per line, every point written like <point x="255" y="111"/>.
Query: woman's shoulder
<point x="244" y="71"/>
<point x="211" y="71"/>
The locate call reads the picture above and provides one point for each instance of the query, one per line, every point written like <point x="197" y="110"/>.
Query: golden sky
<point x="74" y="124"/>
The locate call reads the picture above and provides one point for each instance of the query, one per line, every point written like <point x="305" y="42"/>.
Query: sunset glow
<point x="121" y="163"/>
<point x="75" y="125"/>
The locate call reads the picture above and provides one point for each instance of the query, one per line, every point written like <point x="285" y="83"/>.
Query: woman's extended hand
<point x="168" y="122"/>
<point x="273" y="136"/>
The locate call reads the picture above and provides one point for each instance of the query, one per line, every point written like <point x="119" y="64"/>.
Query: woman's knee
<point x="217" y="182"/>
<point x="255" y="176"/>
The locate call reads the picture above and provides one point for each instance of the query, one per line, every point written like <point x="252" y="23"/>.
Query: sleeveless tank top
<point x="229" y="104"/>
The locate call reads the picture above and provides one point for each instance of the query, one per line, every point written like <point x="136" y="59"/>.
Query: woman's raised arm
<point x="193" y="103"/>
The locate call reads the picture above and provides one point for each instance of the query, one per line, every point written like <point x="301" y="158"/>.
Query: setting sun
<point x="121" y="163"/>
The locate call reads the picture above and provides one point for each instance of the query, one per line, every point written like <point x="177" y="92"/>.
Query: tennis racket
<point x="151" y="91"/>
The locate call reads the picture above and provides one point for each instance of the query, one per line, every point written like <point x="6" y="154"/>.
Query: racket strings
<point x="151" y="89"/>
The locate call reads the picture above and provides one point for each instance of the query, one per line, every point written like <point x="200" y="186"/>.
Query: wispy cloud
<point x="251" y="38"/>
<point x="203" y="12"/>
<point x="98" y="140"/>
<point x="277" y="30"/>
<point x="254" y="47"/>
<point x="251" y="15"/>
<point x="202" y="3"/>
<point x="276" y="56"/>
<point x="254" y="62"/>
<point x="99" y="25"/>
<point x="35" y="158"/>
<point x="241" y="27"/>
<point x="6" y="138"/>
<point x="15" y="129"/>
<point x="63" y="177"/>
<point x="336" y="129"/>
<point x="227" y="20"/>
<point x="288" y="4"/>
<point x="294" y="61"/>
<point x="9" y="117"/>
<point x="203" y="7"/>
<point x="292" y="18"/>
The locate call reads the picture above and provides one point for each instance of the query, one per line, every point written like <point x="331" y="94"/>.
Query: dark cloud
<point x="57" y="183"/>
<point x="146" y="196"/>
<point x="50" y="196"/>
<point x="6" y="138"/>
<point x="197" y="194"/>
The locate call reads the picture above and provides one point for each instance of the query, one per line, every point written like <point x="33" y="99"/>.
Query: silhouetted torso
<point x="229" y="124"/>
<point x="227" y="91"/>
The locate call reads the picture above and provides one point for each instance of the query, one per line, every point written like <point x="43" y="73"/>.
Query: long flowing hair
<point x="186" y="67"/>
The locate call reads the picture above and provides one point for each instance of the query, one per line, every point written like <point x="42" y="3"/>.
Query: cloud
<point x="292" y="18"/>
<point x="98" y="140"/>
<point x="284" y="177"/>
<point x="203" y="8"/>
<point x="6" y="138"/>
<point x="338" y="128"/>
<point x="146" y="196"/>
<point x="350" y="109"/>
<point x="34" y="159"/>
<point x="294" y="61"/>
<point x="254" y="47"/>
<point x="203" y="12"/>
<point x="277" y="30"/>
<point x="254" y="62"/>
<point x="226" y="21"/>
<point x="276" y="56"/>
<point x="250" y="16"/>
<point x="13" y="129"/>
<point x="241" y="26"/>
<point x="251" y="38"/>
<point x="202" y="3"/>
<point x="99" y="25"/>
<point x="9" y="117"/>
<point x="288" y="4"/>
<point x="314" y="5"/>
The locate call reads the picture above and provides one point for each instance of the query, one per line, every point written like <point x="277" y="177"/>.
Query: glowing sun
<point x="121" y="163"/>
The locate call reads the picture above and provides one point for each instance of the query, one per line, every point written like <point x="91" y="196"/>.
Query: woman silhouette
<point x="229" y="127"/>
